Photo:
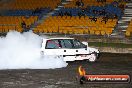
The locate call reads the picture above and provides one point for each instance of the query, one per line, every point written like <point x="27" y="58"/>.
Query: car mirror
<point x="85" y="43"/>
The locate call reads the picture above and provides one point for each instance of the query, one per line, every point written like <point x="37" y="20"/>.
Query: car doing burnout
<point x="69" y="48"/>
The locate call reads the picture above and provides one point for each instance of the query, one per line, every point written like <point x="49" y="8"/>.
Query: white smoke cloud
<point x="22" y="51"/>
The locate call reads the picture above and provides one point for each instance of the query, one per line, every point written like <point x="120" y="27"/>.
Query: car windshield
<point x="65" y="43"/>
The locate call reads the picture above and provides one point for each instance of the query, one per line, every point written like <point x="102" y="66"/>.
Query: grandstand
<point x="76" y="25"/>
<point x="8" y="23"/>
<point x="85" y="17"/>
<point x="129" y="29"/>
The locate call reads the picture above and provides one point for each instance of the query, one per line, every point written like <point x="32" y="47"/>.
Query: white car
<point x="69" y="48"/>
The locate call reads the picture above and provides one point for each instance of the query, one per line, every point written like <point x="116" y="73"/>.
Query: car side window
<point x="52" y="44"/>
<point x="78" y="44"/>
<point x="62" y="43"/>
<point x="68" y="43"/>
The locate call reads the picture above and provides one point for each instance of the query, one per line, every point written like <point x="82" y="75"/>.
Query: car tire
<point x="93" y="57"/>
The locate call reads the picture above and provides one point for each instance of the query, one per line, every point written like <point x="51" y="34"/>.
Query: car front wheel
<point x="93" y="57"/>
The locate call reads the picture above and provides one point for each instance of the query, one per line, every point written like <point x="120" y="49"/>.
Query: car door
<point x="72" y="47"/>
<point x="67" y="46"/>
<point x="52" y="47"/>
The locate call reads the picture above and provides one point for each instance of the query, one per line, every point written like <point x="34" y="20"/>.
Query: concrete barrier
<point x="114" y="50"/>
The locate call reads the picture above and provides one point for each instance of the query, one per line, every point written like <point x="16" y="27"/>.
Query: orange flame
<point x="81" y="70"/>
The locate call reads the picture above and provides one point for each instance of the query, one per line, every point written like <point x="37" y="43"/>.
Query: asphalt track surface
<point x="66" y="77"/>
